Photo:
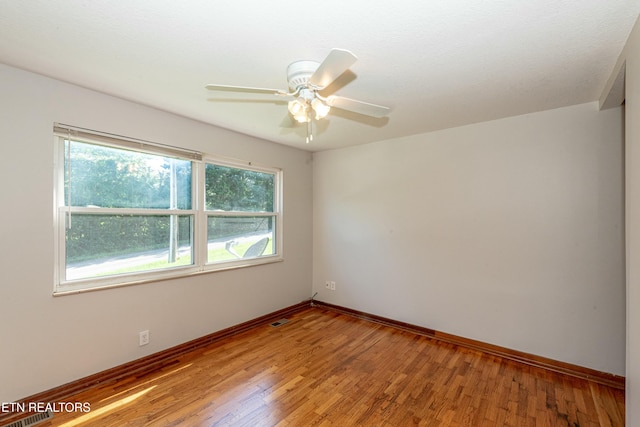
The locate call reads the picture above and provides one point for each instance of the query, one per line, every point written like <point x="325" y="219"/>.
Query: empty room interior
<point x="328" y="209"/>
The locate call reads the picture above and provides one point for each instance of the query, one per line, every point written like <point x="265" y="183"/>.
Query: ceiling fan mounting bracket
<point x="299" y="72"/>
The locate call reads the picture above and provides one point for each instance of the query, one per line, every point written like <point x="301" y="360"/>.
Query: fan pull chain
<point x="310" y="130"/>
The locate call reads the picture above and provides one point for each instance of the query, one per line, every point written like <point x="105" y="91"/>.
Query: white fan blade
<point x="336" y="63"/>
<point x="359" y="107"/>
<point x="246" y="89"/>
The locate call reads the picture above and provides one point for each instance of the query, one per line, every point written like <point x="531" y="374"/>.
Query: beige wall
<point x="48" y="341"/>
<point x="508" y="232"/>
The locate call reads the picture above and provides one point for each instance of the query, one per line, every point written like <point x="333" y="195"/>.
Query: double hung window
<point x="130" y="211"/>
<point x="240" y="212"/>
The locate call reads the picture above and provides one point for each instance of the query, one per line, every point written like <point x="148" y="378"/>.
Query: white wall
<point x="508" y="232"/>
<point x="47" y="341"/>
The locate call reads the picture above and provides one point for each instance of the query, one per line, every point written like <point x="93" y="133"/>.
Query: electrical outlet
<point x="327" y="284"/>
<point x="143" y="338"/>
<point x="332" y="285"/>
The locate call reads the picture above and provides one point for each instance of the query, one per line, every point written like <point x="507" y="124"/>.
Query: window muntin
<point x="138" y="215"/>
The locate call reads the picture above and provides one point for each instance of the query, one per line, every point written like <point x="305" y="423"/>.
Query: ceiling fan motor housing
<point x="299" y="72"/>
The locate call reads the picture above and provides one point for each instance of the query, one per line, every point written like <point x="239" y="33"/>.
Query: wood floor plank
<point x="324" y="368"/>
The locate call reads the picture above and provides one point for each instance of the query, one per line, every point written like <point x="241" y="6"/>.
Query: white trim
<point x="58" y="192"/>
<point x="74" y="289"/>
<point x="129" y="211"/>
<point x="239" y="213"/>
<point x="237" y="163"/>
<point x="279" y="191"/>
<point x="200" y="240"/>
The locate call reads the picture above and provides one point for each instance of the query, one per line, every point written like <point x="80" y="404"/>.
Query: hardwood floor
<point x="323" y="368"/>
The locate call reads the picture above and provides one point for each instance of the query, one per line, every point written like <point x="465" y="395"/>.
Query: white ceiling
<point x="437" y="63"/>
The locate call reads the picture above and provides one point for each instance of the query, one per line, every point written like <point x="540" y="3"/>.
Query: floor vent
<point x="279" y="322"/>
<point x="32" y="420"/>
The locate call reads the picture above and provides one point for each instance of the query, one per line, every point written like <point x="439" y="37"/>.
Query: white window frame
<point x="198" y="211"/>
<point x="277" y="213"/>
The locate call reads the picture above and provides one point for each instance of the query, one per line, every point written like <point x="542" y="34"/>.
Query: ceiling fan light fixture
<point x="301" y="117"/>
<point x="295" y="106"/>
<point x="320" y="108"/>
<point x="298" y="110"/>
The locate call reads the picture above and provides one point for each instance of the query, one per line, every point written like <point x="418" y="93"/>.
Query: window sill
<point x="72" y="289"/>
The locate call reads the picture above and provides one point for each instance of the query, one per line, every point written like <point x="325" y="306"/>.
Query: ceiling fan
<point x="306" y="79"/>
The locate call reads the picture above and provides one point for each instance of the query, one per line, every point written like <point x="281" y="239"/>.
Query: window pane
<point x="231" y="238"/>
<point x="240" y="190"/>
<point x="115" y="178"/>
<point x="103" y="245"/>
